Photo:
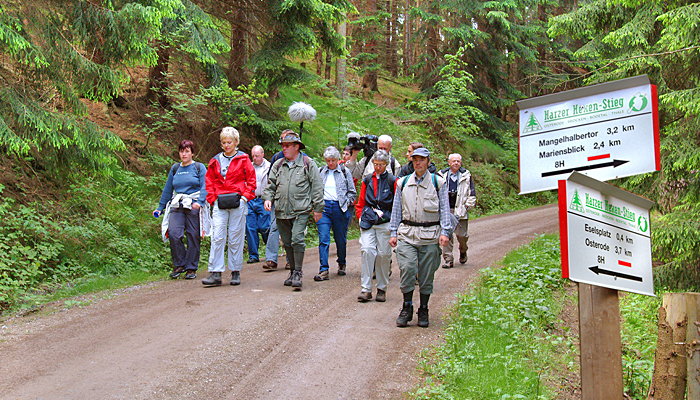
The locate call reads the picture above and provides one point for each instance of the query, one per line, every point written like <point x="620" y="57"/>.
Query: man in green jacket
<point x="296" y="188"/>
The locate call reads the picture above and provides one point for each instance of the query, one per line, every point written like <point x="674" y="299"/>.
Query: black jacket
<point x="383" y="200"/>
<point x="408" y="169"/>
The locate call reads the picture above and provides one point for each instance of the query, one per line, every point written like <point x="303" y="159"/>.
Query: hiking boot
<point x="364" y="297"/>
<point x="449" y="265"/>
<point x="252" y="260"/>
<point x="405" y="315"/>
<point x="381" y="295"/>
<point x="462" y="258"/>
<point x="191" y="274"/>
<point x="322" y="276"/>
<point x="235" y="278"/>
<point x="214" y="279"/>
<point x="288" y="281"/>
<point x="176" y="272"/>
<point x="296" y="279"/>
<point x="423" y="317"/>
<point x="270" y="265"/>
<point x="341" y="269"/>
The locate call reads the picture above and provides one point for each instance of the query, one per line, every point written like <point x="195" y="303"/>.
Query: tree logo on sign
<point x="532" y="124"/>
<point x="576" y="202"/>
<point x="638" y="102"/>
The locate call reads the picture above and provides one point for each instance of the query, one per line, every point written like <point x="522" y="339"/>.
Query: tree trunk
<point x="369" y="80"/>
<point x="669" y="379"/>
<point x="391" y="38"/>
<point x="407" y="34"/>
<point x="432" y="49"/>
<point x="329" y="60"/>
<point x="318" y="57"/>
<point x="158" y="77"/>
<point x="341" y="76"/>
<point x="238" y="56"/>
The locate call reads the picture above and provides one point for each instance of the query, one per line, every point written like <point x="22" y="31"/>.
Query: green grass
<point x="500" y="342"/>
<point x="97" y="283"/>
<point x="639" y="331"/>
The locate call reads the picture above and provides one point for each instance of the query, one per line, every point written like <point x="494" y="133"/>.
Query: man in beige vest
<point x="420" y="224"/>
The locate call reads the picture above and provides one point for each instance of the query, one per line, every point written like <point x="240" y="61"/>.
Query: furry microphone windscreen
<point x="353" y="135"/>
<point x="300" y="112"/>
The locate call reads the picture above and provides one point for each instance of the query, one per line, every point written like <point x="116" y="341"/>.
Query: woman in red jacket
<point x="230" y="184"/>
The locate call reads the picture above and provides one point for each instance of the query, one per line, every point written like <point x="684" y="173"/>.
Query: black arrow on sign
<point x="599" y="271"/>
<point x="613" y="163"/>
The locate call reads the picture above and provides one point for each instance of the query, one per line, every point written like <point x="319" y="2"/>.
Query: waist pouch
<point x="229" y="200"/>
<point x="369" y="218"/>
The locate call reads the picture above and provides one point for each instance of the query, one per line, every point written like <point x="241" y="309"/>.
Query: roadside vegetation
<point x="510" y="336"/>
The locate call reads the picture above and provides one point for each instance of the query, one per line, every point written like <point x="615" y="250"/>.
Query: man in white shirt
<point x="258" y="220"/>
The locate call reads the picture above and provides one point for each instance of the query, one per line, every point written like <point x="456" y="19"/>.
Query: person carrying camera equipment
<point x="296" y="188"/>
<point x="369" y="144"/>
<point x="462" y="195"/>
<point x="272" y="246"/>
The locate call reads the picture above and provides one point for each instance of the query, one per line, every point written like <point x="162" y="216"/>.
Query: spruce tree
<point x="54" y="60"/>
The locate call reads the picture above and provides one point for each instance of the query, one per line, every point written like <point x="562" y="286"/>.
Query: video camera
<point x="367" y="143"/>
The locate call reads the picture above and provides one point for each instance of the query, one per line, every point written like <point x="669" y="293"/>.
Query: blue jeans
<point x="333" y="217"/>
<point x="257" y="221"/>
<point x="272" y="247"/>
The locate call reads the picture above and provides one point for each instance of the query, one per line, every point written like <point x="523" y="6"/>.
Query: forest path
<point x="259" y="340"/>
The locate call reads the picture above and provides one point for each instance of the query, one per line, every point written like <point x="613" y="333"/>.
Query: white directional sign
<point x="605" y="131"/>
<point x="605" y="235"/>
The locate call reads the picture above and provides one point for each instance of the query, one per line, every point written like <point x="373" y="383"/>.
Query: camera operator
<point x="365" y="166"/>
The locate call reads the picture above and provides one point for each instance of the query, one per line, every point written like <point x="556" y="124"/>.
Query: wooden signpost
<point x="604" y="131"/>
<point x="605" y="246"/>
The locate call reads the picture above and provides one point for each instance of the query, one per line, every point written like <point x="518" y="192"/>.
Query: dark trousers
<point x="292" y="234"/>
<point x="183" y="221"/>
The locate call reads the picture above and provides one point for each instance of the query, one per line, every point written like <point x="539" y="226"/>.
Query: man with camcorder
<point x="369" y="144"/>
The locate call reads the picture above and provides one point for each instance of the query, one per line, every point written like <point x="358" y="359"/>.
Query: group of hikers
<point x="413" y="208"/>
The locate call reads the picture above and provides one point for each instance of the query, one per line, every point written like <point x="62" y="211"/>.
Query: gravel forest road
<point x="259" y="340"/>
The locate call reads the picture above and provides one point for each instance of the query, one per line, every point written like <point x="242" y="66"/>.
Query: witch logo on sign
<point x="637" y="103"/>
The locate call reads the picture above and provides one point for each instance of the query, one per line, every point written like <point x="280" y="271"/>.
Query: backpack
<point x="403" y="182"/>
<point x="342" y="170"/>
<point x="306" y="164"/>
<point x="197" y="164"/>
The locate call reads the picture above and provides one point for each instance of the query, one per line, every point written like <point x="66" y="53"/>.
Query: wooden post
<point x="693" y="344"/>
<point x="670" y="367"/>
<point x="601" y="350"/>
